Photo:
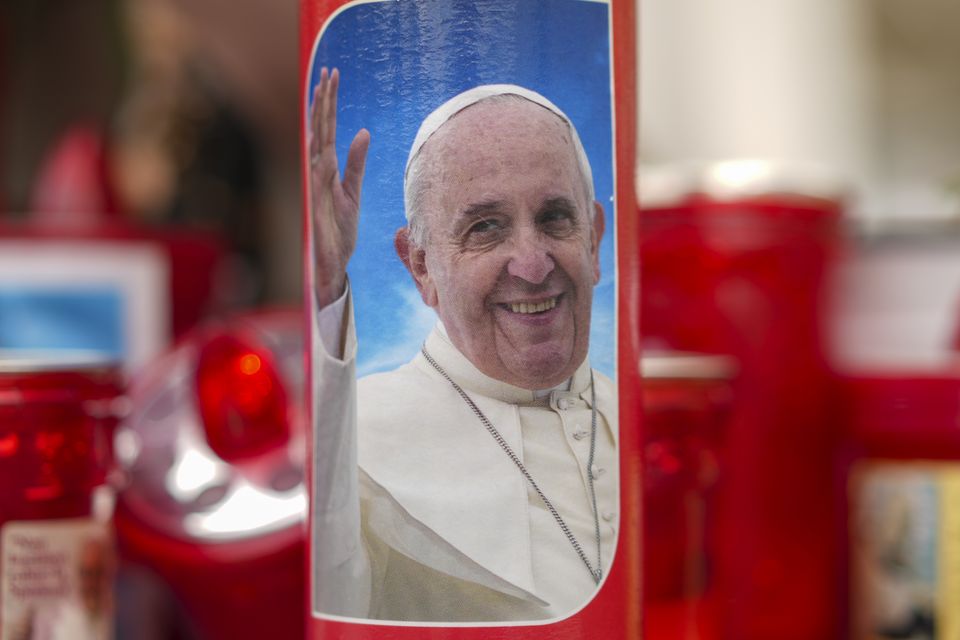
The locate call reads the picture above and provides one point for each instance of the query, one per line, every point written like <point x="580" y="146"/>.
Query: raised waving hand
<point x="335" y="203"/>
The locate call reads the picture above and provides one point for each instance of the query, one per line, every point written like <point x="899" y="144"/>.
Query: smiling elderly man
<point x="487" y="483"/>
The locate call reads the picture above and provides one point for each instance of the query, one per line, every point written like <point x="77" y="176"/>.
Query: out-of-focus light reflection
<point x="193" y="472"/>
<point x="127" y="446"/>
<point x="250" y="364"/>
<point x="246" y="510"/>
<point x="737" y="174"/>
<point x="669" y="185"/>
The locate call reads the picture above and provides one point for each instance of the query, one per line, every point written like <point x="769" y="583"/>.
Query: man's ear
<point x="595" y="237"/>
<point x="415" y="260"/>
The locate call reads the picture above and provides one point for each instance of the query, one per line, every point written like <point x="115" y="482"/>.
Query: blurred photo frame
<point x="104" y="296"/>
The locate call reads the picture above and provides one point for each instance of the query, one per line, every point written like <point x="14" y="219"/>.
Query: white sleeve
<point x="331" y="322"/>
<point x="341" y="566"/>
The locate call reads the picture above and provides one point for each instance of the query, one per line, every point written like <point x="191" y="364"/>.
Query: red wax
<point x="746" y="277"/>
<point x="55" y="439"/>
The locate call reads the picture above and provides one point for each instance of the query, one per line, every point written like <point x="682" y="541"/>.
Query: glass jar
<point x="686" y="403"/>
<point x="57" y="415"/>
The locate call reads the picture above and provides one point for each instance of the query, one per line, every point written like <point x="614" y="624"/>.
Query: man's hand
<point x="335" y="204"/>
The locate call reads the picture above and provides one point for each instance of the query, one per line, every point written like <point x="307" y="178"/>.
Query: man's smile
<point x="531" y="306"/>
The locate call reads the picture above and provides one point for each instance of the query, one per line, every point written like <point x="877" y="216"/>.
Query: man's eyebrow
<point x="482" y="209"/>
<point x="559" y="202"/>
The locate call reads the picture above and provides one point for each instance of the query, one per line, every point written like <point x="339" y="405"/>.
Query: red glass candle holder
<point x="57" y="415"/>
<point x="686" y="402"/>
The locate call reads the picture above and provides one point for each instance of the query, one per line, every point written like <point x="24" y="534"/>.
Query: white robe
<point x="440" y="525"/>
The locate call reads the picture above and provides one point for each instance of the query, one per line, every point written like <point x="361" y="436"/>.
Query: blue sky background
<point x="398" y="61"/>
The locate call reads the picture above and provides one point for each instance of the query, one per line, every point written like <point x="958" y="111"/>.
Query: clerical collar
<point x="543" y="393"/>
<point x="472" y="379"/>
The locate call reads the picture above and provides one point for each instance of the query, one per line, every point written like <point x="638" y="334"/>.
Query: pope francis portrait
<point x="479" y="481"/>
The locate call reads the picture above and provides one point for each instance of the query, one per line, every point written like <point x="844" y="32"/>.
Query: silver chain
<point x="597" y="573"/>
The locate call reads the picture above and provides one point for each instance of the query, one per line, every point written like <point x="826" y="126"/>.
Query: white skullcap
<point x="461" y="101"/>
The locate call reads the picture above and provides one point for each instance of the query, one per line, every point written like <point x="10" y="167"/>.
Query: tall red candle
<point x="372" y="73"/>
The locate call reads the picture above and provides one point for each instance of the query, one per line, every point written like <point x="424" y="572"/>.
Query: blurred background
<point x="186" y="112"/>
<point x="799" y="190"/>
<point x="799" y="198"/>
<point x="150" y="209"/>
<point x="865" y="89"/>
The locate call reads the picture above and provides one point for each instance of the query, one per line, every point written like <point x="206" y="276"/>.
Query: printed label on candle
<point x="905" y="550"/>
<point x="56" y="580"/>
<point x="469" y="163"/>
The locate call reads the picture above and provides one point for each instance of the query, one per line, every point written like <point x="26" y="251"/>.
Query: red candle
<point x="57" y="414"/>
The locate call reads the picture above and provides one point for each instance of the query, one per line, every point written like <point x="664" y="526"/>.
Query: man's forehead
<point x="499" y="116"/>
<point x="487" y="130"/>
<point x="483" y="158"/>
<point x="497" y="129"/>
<point x="439" y="116"/>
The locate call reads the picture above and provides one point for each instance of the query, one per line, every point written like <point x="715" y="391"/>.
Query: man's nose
<point x="529" y="259"/>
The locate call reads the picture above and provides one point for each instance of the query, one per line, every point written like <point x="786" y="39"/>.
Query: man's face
<point x="511" y="251"/>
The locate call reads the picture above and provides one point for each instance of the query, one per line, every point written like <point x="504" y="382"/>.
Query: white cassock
<point x="439" y="524"/>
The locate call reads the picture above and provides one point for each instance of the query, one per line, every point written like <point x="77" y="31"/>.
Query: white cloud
<point x="603" y="328"/>
<point x="397" y="344"/>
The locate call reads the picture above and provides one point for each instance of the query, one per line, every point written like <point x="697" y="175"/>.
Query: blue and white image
<point x="399" y="71"/>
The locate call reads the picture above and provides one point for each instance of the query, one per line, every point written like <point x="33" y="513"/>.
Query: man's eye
<point x="483" y="226"/>
<point x="483" y="232"/>
<point x="557" y="220"/>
